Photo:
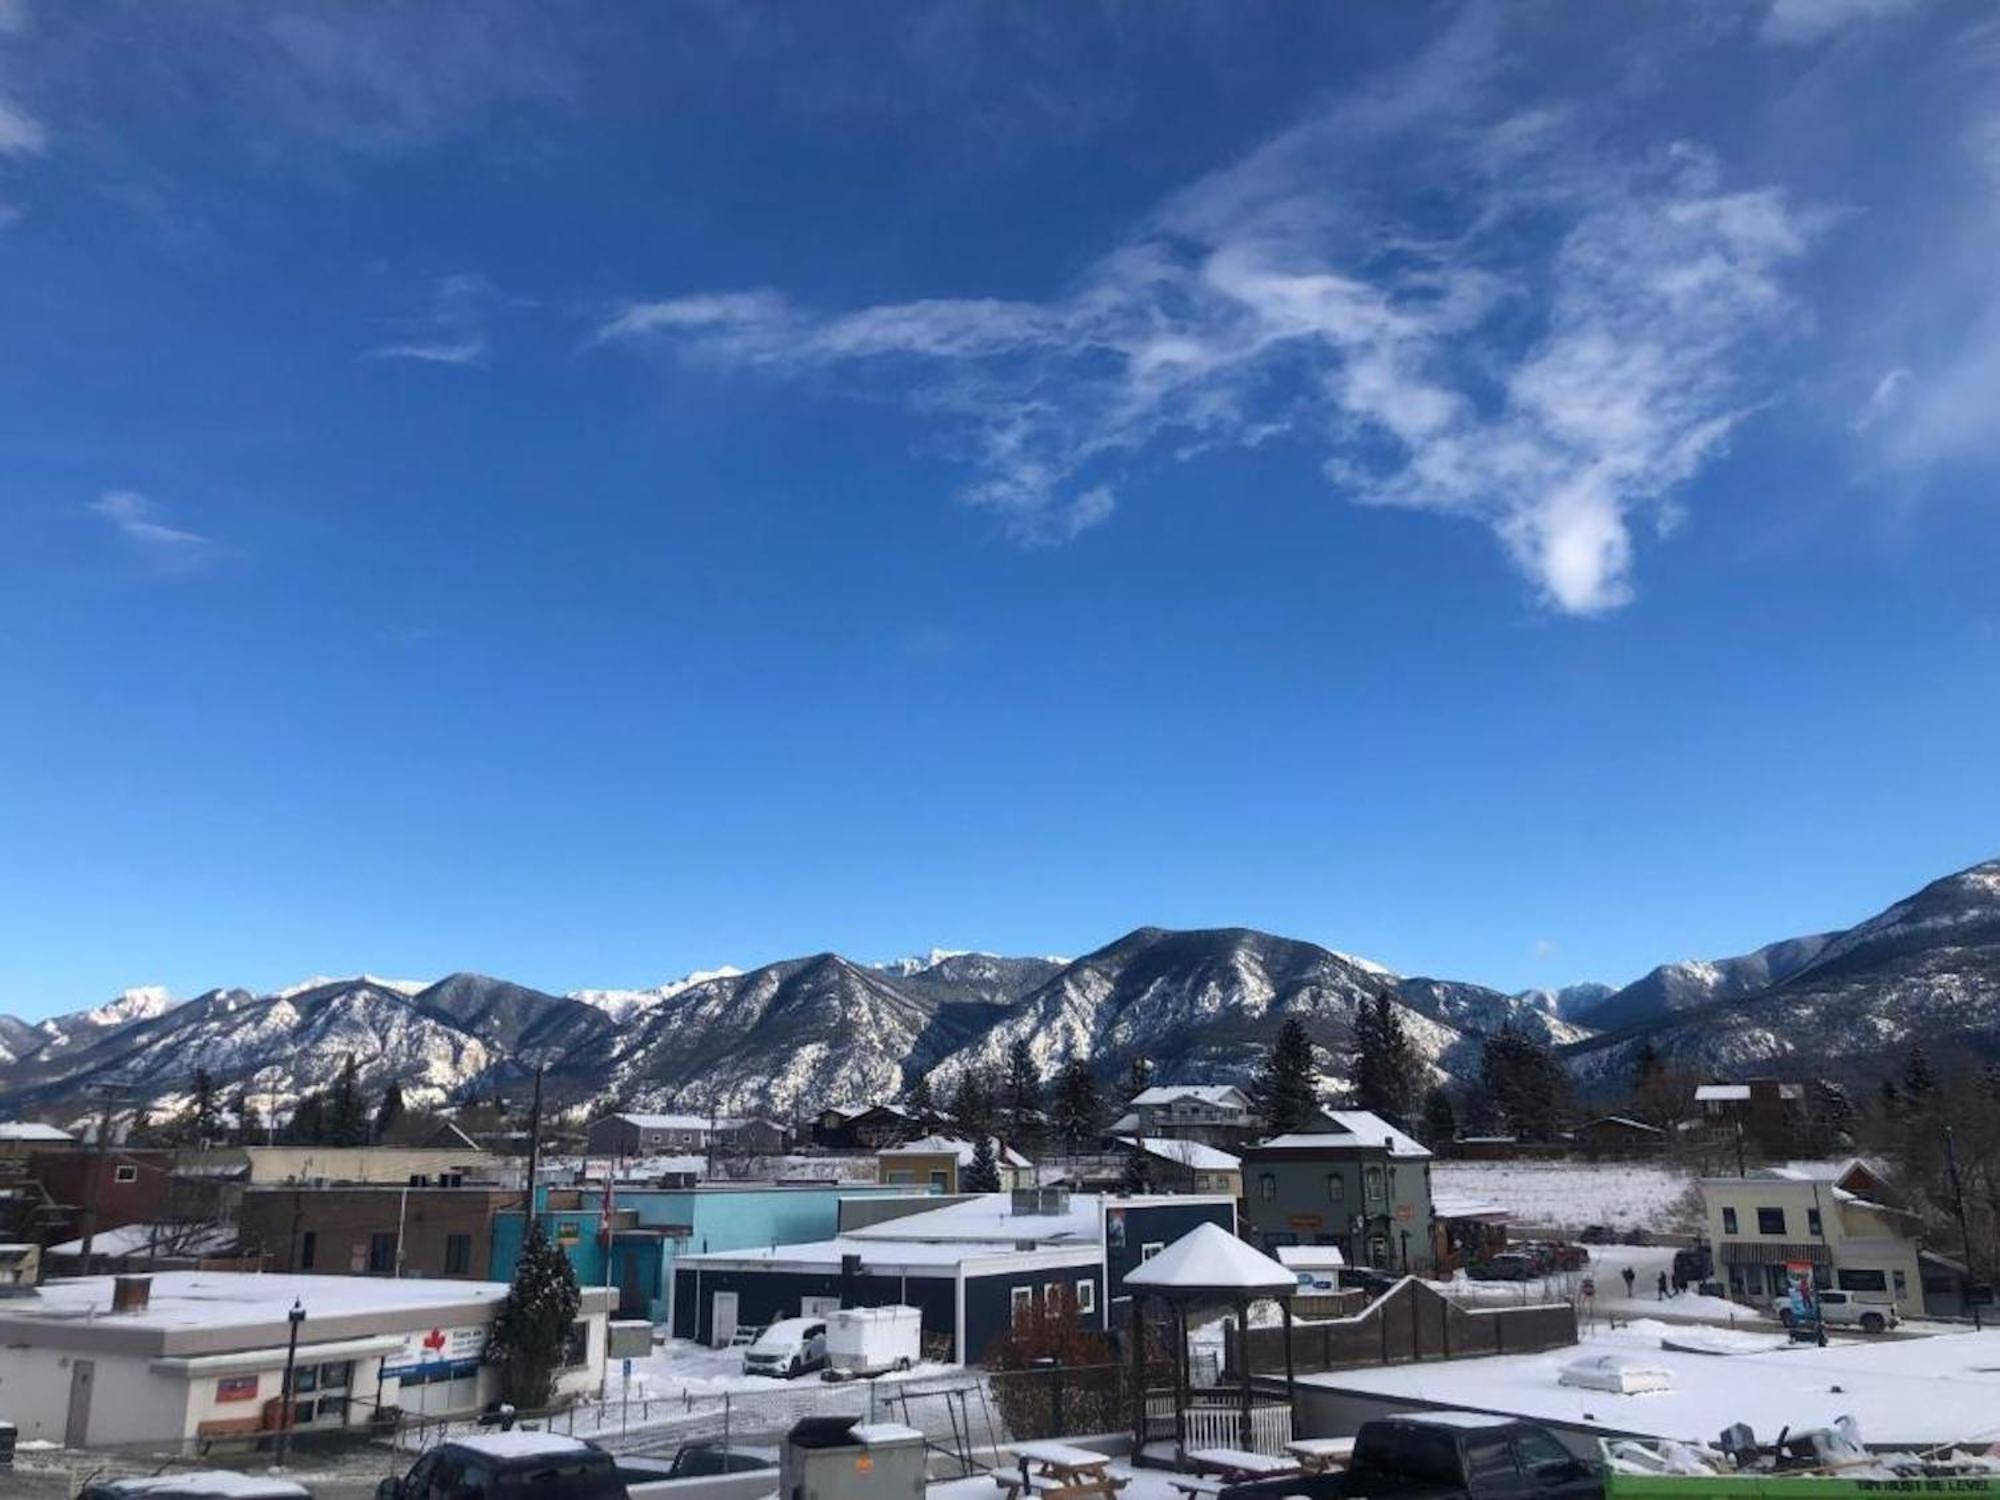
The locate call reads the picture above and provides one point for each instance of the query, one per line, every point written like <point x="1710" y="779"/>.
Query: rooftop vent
<point x="131" y="1293"/>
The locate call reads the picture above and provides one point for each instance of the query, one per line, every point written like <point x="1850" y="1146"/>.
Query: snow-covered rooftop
<point x="206" y="1483"/>
<point x="197" y="1299"/>
<point x="1353" y="1128"/>
<point x="1226" y="1094"/>
<point x="31" y="1130"/>
<point x="1917" y="1391"/>
<point x="665" y="1122"/>
<point x="1194" y="1154"/>
<point x="873" y="1252"/>
<point x="948" y="1145"/>
<point x="507" y="1446"/>
<point x="1208" y="1258"/>
<point x="134" y="1239"/>
<point x="991" y="1217"/>
<point x="1311" y="1257"/>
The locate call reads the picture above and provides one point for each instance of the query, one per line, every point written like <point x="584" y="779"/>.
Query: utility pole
<point x="94" y="1183"/>
<point x="1958" y="1207"/>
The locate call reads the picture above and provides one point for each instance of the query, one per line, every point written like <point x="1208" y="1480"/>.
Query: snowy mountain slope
<point x="1695" y="982"/>
<point x="1927" y="968"/>
<point x="809" y="1032"/>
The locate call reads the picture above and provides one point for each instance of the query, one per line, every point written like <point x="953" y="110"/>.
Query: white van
<point x="788" y="1347"/>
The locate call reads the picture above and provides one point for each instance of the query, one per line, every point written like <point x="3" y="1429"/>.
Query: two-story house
<point x="1839" y="1218"/>
<point x="1361" y="1185"/>
<point x="1764" y="1117"/>
<point x="1183" y="1166"/>
<point x="935" y="1162"/>
<point x="648" y="1135"/>
<point x="1217" y="1113"/>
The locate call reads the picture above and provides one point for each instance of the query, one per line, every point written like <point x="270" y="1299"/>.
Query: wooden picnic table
<point x="1239" y="1464"/>
<point x="1063" y="1471"/>
<point x="1317" y="1455"/>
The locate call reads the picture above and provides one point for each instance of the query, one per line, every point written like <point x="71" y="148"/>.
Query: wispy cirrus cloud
<point x="1552" y="355"/>
<point x="140" y="522"/>
<point x="453" y="332"/>
<point x="1798" y="22"/>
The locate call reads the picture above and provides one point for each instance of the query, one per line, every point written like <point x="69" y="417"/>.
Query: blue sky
<point x="589" y="492"/>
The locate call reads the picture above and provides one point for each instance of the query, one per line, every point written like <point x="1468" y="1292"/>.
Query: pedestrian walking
<point x="1663" y="1286"/>
<point x="1630" y="1276"/>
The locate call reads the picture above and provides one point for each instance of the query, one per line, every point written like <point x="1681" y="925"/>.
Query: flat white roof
<point x="30" y="1130"/>
<point x="1311" y="1257"/>
<point x="990" y="1216"/>
<point x="877" y="1254"/>
<point x="210" y="1299"/>
<point x="1916" y="1391"/>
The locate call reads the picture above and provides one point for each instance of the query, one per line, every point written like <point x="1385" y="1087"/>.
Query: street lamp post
<point x="295" y="1317"/>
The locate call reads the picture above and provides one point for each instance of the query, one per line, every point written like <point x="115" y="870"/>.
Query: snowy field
<point x="1574" y="1195"/>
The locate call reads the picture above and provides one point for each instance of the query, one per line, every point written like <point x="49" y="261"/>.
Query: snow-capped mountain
<point x="1200" y="1005"/>
<point x="1926" y="969"/>
<point x="622" y="1005"/>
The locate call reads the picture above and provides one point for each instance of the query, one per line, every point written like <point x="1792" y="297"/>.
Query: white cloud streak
<point x="1792" y="23"/>
<point x="453" y="332"/>
<point x="1551" y="358"/>
<point x="138" y="520"/>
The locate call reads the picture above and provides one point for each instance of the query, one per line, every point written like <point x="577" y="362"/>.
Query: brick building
<point x="373" y="1230"/>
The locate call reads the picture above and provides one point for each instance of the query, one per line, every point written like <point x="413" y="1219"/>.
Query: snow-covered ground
<point x="1574" y="1195"/>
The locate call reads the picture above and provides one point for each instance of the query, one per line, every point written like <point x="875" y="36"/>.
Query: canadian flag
<point x="434" y="1341"/>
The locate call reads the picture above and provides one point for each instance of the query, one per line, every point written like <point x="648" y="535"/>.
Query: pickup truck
<point x="1841" y="1310"/>
<point x="1444" y="1455"/>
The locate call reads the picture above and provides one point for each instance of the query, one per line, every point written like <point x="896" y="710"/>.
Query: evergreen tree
<point x="389" y="1113"/>
<point x="1919" y="1081"/>
<point x="1137" y="1173"/>
<point x="1384" y="1066"/>
<point x="1139" y="1077"/>
<point x="971" y="1104"/>
<point x="346" y="1110"/>
<point x="1647" y="1067"/>
<point x="200" y="1123"/>
<point x="1440" y="1119"/>
<point x="143" y="1131"/>
<point x="534" y="1323"/>
<point x="1023" y="1091"/>
<point x="1079" y="1111"/>
<point x="983" y="1174"/>
<point x="1890" y="1101"/>
<point x="1284" y="1094"/>
<point x="307" y="1127"/>
<point x="1529" y="1087"/>
<point x="919" y="1101"/>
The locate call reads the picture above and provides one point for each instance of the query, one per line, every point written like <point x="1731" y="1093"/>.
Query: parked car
<point x="790" y="1346"/>
<point x="517" y="1465"/>
<point x="1635" y="1236"/>
<point x="1511" y="1265"/>
<point x="1572" y="1258"/>
<point x="1841" y="1310"/>
<point x="1598" y="1234"/>
<point x="1694" y="1265"/>
<point x="1367" y="1279"/>
<point x="1445" y="1455"/>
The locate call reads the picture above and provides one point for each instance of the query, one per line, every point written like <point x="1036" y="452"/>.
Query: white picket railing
<point x="1215" y="1420"/>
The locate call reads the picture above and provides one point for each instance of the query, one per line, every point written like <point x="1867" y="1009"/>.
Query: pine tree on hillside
<point x="982" y="1175"/>
<point x="1647" y="1067"/>
<point x="1023" y="1095"/>
<point x="1078" y="1113"/>
<point x="200" y="1124"/>
<point x="389" y="1113"/>
<point x="249" y="1122"/>
<point x="1919" y="1080"/>
<point x="971" y="1104"/>
<point x="534" y="1324"/>
<point x="1529" y="1087"/>
<point x="307" y="1126"/>
<point x="1285" y="1093"/>
<point x="1384" y="1067"/>
<point x="1440" y="1119"/>
<point x="919" y="1101"/>
<point x="346" y="1110"/>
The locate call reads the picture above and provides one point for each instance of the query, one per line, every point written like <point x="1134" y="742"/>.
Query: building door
<point x="82" y="1377"/>
<point x="723" y="1318"/>
<point x="818" y="1307"/>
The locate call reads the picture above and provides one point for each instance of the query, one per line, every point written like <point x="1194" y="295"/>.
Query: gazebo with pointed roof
<point x="1207" y="1265"/>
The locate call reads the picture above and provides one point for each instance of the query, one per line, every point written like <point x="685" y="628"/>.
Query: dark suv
<point x="507" y="1465"/>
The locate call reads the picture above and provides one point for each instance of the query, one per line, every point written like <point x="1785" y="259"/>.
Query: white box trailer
<point x="871" y="1340"/>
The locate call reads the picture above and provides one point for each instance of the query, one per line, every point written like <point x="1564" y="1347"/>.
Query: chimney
<point x="131" y="1293"/>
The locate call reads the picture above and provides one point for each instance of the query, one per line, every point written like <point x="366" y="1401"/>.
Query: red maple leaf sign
<point x="434" y="1341"/>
